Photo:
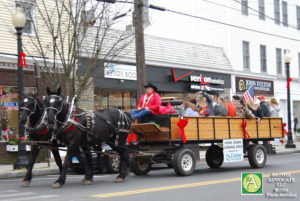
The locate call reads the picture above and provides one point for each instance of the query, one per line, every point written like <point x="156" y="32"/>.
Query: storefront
<point x="262" y="87"/>
<point x="116" y="87"/>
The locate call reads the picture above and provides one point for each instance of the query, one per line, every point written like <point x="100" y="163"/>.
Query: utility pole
<point x="138" y="22"/>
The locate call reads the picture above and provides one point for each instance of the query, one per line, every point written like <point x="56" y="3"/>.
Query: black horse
<point x="88" y="131"/>
<point x="33" y="112"/>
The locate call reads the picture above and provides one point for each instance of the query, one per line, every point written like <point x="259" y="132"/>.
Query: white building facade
<point x="253" y="33"/>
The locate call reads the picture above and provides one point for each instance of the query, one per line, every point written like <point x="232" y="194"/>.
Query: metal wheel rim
<point x="142" y="164"/>
<point x="260" y="156"/>
<point x="115" y="163"/>
<point x="186" y="162"/>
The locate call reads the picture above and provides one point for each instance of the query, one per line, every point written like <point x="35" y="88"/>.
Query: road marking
<point x="33" y="198"/>
<point x="165" y="188"/>
<point x="52" y="178"/>
<point x="16" y="194"/>
<point x="8" y="191"/>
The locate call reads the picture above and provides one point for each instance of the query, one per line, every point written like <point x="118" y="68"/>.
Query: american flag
<point x="249" y="94"/>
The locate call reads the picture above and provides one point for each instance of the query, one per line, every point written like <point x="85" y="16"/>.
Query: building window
<point x="298" y="17"/>
<point x="244" y="4"/>
<point x="299" y="63"/>
<point x="284" y="13"/>
<point x="279" y="61"/>
<point x="261" y="9"/>
<point x="263" y="58"/>
<point x="276" y="12"/>
<point x="28" y="8"/>
<point x="246" y="55"/>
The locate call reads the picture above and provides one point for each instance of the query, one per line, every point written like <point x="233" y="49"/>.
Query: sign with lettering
<point x="233" y="150"/>
<point x="120" y="71"/>
<point x="199" y="87"/>
<point x="261" y="87"/>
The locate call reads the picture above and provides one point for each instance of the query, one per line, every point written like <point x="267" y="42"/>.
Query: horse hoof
<point x="119" y="180"/>
<point x="56" y="185"/>
<point x="25" y="183"/>
<point x="87" y="182"/>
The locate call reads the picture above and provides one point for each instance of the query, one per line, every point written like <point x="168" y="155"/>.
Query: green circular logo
<point x="252" y="183"/>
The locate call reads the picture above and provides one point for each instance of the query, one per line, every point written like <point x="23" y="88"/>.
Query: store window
<point x="122" y="99"/>
<point x="9" y="100"/>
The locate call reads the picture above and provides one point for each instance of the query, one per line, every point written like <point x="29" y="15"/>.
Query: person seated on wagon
<point x="191" y="108"/>
<point x="221" y="108"/>
<point x="230" y="107"/>
<point x="149" y="103"/>
<point x="241" y="109"/>
<point x="206" y="106"/>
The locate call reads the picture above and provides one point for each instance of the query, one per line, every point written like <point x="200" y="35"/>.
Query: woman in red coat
<point x="149" y="103"/>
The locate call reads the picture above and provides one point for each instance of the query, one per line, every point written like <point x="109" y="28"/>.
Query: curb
<point x="7" y="175"/>
<point x="287" y="152"/>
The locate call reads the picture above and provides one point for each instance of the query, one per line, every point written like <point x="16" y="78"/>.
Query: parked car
<point x="108" y="162"/>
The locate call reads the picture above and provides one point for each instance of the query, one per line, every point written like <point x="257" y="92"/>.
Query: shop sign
<point x="199" y="87"/>
<point x="120" y="71"/>
<point x="206" y="80"/>
<point x="265" y="87"/>
<point x="11" y="105"/>
<point x="233" y="150"/>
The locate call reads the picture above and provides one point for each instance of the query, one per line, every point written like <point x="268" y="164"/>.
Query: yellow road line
<point x="165" y="188"/>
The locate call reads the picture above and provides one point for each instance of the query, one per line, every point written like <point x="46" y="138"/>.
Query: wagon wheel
<point x="257" y="156"/>
<point x="214" y="156"/>
<point x="184" y="162"/>
<point x="140" y="165"/>
<point x="113" y="164"/>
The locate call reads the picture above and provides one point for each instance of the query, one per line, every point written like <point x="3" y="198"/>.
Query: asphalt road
<point x="161" y="184"/>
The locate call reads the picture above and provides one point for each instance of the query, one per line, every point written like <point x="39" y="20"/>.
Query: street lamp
<point x="287" y="61"/>
<point x="19" y="20"/>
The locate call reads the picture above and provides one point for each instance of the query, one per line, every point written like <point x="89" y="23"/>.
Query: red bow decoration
<point x="181" y="124"/>
<point x="22" y="138"/>
<point x="22" y="58"/>
<point x="289" y="82"/>
<point x="244" y="124"/>
<point x="132" y="137"/>
<point x="284" y="130"/>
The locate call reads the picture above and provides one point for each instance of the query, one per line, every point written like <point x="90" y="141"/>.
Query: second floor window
<point x="279" y="61"/>
<point x="284" y="13"/>
<point x="276" y="12"/>
<point x="263" y="58"/>
<point x="298" y="17"/>
<point x="246" y="55"/>
<point x="299" y="63"/>
<point x="244" y="4"/>
<point x="261" y="9"/>
<point x="28" y="10"/>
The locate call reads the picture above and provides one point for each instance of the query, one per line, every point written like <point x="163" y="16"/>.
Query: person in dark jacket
<point x="209" y="103"/>
<point x="264" y="108"/>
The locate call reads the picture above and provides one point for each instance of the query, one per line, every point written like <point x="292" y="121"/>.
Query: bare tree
<point x="76" y="29"/>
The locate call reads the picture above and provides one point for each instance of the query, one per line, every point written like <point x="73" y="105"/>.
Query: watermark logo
<point x="251" y="183"/>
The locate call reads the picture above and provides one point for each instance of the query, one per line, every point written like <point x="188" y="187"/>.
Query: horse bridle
<point x="26" y="108"/>
<point x="57" y="111"/>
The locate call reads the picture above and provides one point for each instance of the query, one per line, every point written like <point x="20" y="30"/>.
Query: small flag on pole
<point x="249" y="94"/>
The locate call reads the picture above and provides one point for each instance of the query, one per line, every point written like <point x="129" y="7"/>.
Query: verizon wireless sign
<point x="206" y="80"/>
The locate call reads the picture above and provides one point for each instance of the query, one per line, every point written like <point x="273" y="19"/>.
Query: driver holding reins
<point x="149" y="103"/>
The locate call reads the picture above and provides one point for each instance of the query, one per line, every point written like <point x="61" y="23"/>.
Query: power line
<point x="219" y="22"/>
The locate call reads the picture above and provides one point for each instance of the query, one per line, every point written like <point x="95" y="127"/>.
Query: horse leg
<point x="85" y="159"/>
<point x="123" y="160"/>
<point x="72" y="151"/>
<point x="57" y="158"/>
<point x="34" y="152"/>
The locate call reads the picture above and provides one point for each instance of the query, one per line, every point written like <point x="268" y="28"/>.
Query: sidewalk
<point x="6" y="171"/>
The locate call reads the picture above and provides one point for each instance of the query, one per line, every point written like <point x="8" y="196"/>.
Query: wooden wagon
<point x="161" y="140"/>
